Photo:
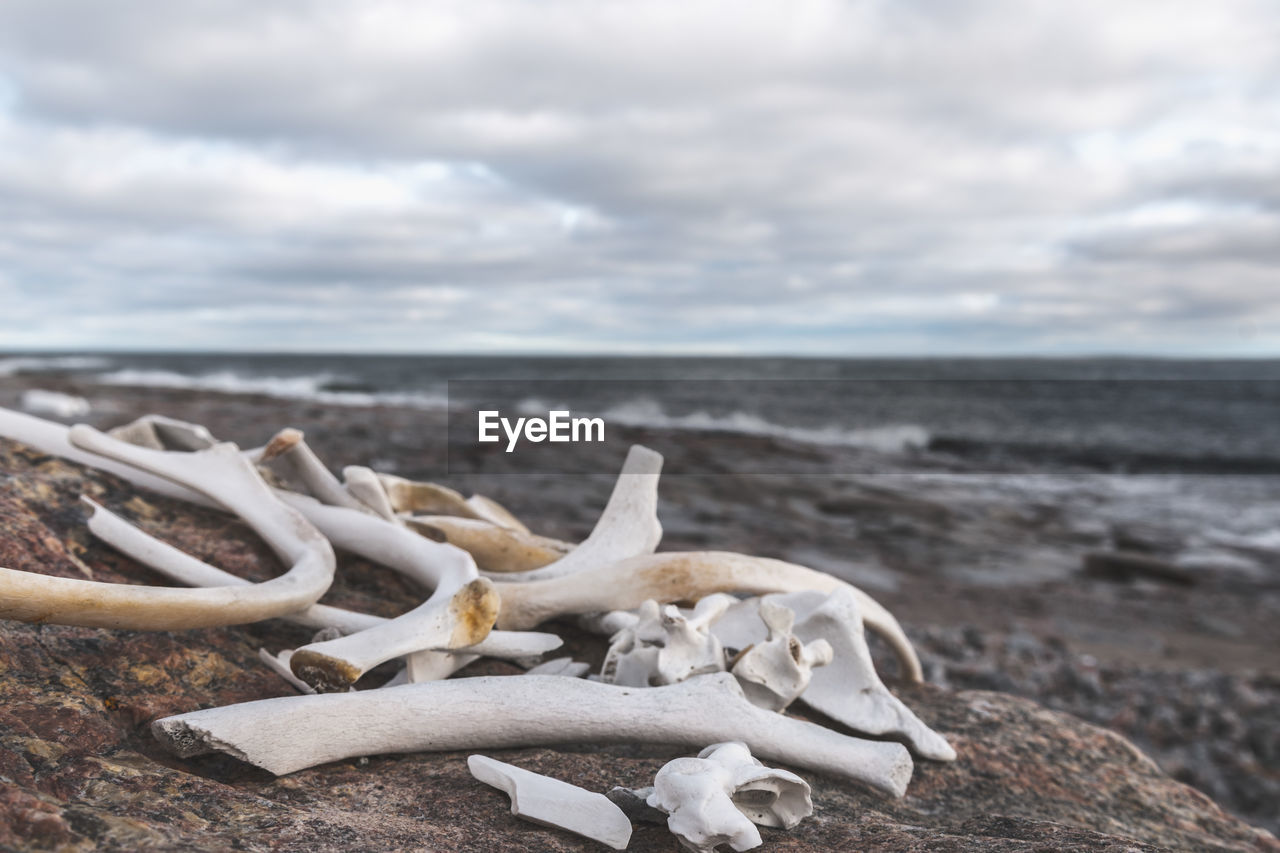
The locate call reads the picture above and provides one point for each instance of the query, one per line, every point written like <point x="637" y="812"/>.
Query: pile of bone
<point x="755" y="635"/>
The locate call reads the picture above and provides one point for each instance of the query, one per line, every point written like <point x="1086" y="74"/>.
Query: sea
<point x="1109" y="414"/>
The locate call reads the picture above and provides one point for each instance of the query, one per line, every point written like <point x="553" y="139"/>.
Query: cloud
<point x="967" y="176"/>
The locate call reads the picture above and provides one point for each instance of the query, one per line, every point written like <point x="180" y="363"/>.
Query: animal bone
<point x="687" y="576"/>
<point x="363" y="484"/>
<point x="289" y="451"/>
<point x="627" y="527"/>
<point x="718" y="797"/>
<point x="774" y="672"/>
<point x="422" y="665"/>
<point x="494" y="548"/>
<point x="552" y="802"/>
<point x="279" y="664"/>
<point x="665" y="646"/>
<point x="848" y="689"/>
<point x="161" y="433"/>
<point x="566" y="667"/>
<point x="289" y="733"/>
<point x="222" y="476"/>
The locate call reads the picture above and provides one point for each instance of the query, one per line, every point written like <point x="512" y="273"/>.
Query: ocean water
<point x="1126" y="415"/>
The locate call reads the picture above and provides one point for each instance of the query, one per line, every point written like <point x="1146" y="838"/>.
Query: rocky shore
<point x="987" y="574"/>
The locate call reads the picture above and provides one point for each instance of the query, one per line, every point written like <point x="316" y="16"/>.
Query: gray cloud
<point x="973" y="176"/>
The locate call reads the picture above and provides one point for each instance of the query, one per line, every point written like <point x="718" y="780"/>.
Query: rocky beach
<point x="1071" y="625"/>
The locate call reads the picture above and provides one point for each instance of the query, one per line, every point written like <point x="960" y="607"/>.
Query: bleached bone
<point x="222" y="477"/>
<point x="687" y="576"/>
<point x="665" y="646"/>
<point x="415" y="497"/>
<point x="566" y="667"/>
<point x="162" y="433"/>
<point x="848" y="689"/>
<point x="627" y="527"/>
<point x="423" y="665"/>
<point x="289" y="451"/>
<point x="494" y="548"/>
<point x="279" y="664"/>
<point x="719" y="797"/>
<point x="362" y="484"/>
<point x="774" y="672"/>
<point x="290" y="733"/>
<point x="554" y="803"/>
<point x="489" y="509"/>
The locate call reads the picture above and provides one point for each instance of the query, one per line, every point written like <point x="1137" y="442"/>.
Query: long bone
<point x="223" y="477"/>
<point x="627" y="527"/>
<point x="287" y="734"/>
<point x="288" y="450"/>
<point x="414" y="497"/>
<point x="174" y="563"/>
<point x="495" y="549"/>
<point x="687" y="576"/>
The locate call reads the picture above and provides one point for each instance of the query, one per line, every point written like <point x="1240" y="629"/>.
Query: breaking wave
<point x="314" y="387"/>
<point x="900" y="438"/>
<point x="51" y="364"/>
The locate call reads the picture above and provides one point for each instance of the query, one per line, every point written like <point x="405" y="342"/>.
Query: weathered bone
<point x="223" y="477"/>
<point x="774" y="672"/>
<point x="848" y="689"/>
<point x="554" y="803"/>
<point x="627" y="527"/>
<point x="288" y="451"/>
<point x="415" y="497"/>
<point x="566" y="667"/>
<point x="495" y="549"/>
<point x="363" y="484"/>
<point x="421" y="665"/>
<point x="686" y="576"/>
<point x="161" y="433"/>
<point x="719" y="797"/>
<point x="289" y="733"/>
<point x="664" y="646"/>
<point x="488" y="508"/>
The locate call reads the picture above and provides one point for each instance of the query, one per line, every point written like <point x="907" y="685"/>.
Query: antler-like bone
<point x="220" y="474"/>
<point x="551" y="802"/>
<point x="290" y="733"/>
<point x="627" y="527"/>
<point x="687" y="576"/>
<point x="848" y="689"/>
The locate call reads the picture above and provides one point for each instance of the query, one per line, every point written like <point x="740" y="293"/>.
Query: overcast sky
<point x="889" y="177"/>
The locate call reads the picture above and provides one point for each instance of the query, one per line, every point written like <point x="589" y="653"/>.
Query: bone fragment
<point x="719" y="797"/>
<point x="775" y="671"/>
<point x="848" y="689"/>
<point x="665" y="646"/>
<point x="222" y="476"/>
<point x="279" y="664"/>
<point x="495" y="549"/>
<point x="288" y="452"/>
<point x="686" y="576"/>
<point x="363" y="484"/>
<point x="287" y="734"/>
<point x="554" y="803"/>
<point x="566" y="667"/>
<point x="494" y="512"/>
<point x="420" y="498"/>
<point x="161" y="433"/>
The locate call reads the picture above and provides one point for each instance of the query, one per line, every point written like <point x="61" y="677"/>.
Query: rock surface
<point x="79" y="770"/>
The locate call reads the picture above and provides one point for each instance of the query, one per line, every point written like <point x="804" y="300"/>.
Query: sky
<point x="874" y="177"/>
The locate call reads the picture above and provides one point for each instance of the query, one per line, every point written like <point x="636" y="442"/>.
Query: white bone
<point x="289" y="733"/>
<point x="774" y="672"/>
<point x="718" y="797"/>
<point x="421" y="498"/>
<point x="279" y="664"/>
<point x="848" y="689"/>
<point x="491" y="510"/>
<point x="686" y="576"/>
<point x="288" y="451"/>
<point x="495" y="549"/>
<point x="175" y="564"/>
<point x="162" y="433"/>
<point x="627" y="527"/>
<point x="665" y="646"/>
<point x="554" y="803"/>
<point x="363" y="485"/>
<point x="223" y="477"/>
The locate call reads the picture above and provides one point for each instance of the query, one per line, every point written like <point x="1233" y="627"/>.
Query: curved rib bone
<point x="221" y="475"/>
<point x="627" y="527"/>
<point x="554" y="803"/>
<point x="287" y="734"/>
<point x="289" y="451"/>
<point x="494" y="548"/>
<point x="687" y="576"/>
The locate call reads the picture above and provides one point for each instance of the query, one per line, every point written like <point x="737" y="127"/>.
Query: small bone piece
<point x="665" y="646"/>
<point x="627" y="527"/>
<point x="774" y="672"/>
<point x="554" y="803"/>
<point x="487" y="712"/>
<point x="363" y="484"/>
<point x="718" y="797"/>
<point x="848" y="689"/>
